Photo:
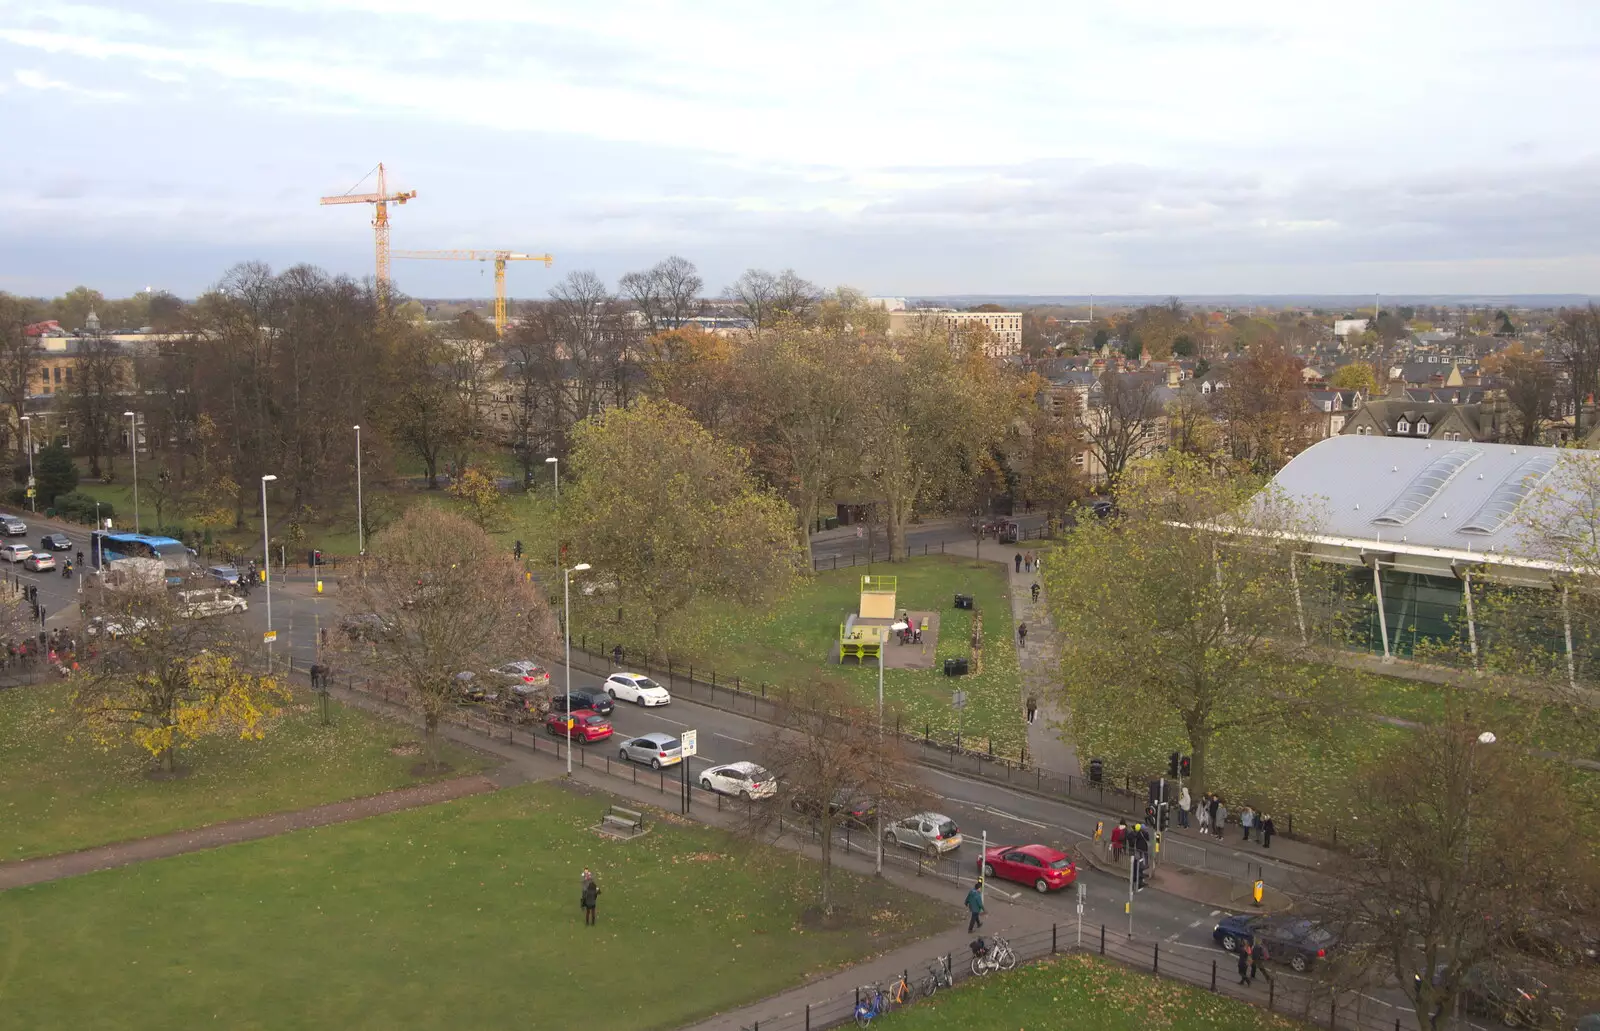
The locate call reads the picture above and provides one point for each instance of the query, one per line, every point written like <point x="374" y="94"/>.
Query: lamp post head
<point x="357" y="427"/>
<point x="127" y="415"/>
<point x="580" y="567"/>
<point x="551" y="461"/>
<point x="268" y="476"/>
<point x="27" y="418"/>
<point x="1487" y="738"/>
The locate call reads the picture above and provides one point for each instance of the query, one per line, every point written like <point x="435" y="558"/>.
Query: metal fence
<point x="873" y="554"/>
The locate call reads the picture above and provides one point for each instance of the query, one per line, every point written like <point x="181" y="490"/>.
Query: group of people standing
<point x="1212" y="815"/>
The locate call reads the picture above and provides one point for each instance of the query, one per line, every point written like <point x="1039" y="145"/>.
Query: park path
<point x="1049" y="735"/>
<point x="125" y="853"/>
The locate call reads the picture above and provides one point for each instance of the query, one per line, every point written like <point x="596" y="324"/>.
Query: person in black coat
<point x="1244" y="964"/>
<point x="1267" y="831"/>
<point x="591" y="893"/>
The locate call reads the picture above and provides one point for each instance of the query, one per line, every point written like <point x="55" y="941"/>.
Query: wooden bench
<point x="629" y="820"/>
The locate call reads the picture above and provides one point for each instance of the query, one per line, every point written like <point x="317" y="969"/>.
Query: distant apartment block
<point x="1344" y="327"/>
<point x="1004" y="327"/>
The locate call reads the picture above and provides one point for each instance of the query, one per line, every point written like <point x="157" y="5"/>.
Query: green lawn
<point x="461" y="915"/>
<point x="796" y="640"/>
<point x="58" y="793"/>
<point x="1079" y="990"/>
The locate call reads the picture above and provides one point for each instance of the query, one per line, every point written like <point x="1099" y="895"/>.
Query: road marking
<point x="675" y="723"/>
<point x="1010" y="816"/>
<point x="730" y="737"/>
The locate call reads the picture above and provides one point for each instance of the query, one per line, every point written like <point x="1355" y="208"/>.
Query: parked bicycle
<point x="900" y="991"/>
<point x="995" y="955"/>
<point x="939" y="976"/>
<point x="872" y="1004"/>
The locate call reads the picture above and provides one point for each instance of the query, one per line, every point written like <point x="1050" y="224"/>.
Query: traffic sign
<point x="30" y="492"/>
<point x="958" y="700"/>
<point x="691" y="742"/>
<point x="269" y="636"/>
<point x="31" y="481"/>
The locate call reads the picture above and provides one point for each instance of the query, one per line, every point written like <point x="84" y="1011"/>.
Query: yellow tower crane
<point x="380" y="221"/>
<point x="499" y="258"/>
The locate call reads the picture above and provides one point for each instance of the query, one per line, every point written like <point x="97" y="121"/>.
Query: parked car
<point x="636" y="688"/>
<point x="227" y="575"/>
<point x="849" y="806"/>
<point x="745" y="779"/>
<point x="1514" y="997"/>
<point x="598" y="701"/>
<point x="13" y="526"/>
<point x="15" y="552"/>
<point x="926" y="832"/>
<point x="116" y="628"/>
<point x="1290" y="939"/>
<point x="655" y="750"/>
<point x="1041" y="866"/>
<point x="468" y="688"/>
<point x="39" y="561"/>
<point x="363" y="626"/>
<point x="587" y="725"/>
<point x="524" y="676"/>
<point x="55" y="542"/>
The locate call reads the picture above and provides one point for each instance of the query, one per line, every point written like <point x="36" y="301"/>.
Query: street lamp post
<point x="133" y="448"/>
<point x="266" y="560"/>
<point x="555" y="465"/>
<point x="883" y="644"/>
<point x="361" y="540"/>
<point x="566" y="619"/>
<point x="33" y="498"/>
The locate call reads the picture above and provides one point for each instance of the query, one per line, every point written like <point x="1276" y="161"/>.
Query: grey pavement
<point x="1050" y="733"/>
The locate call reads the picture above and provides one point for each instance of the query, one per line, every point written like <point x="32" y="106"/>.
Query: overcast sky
<point x="915" y="147"/>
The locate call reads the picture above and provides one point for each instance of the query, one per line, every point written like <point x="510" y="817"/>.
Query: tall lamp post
<point x="361" y="539"/>
<point x="133" y="448"/>
<point x="555" y="466"/>
<point x="33" y="500"/>
<point x="266" y="560"/>
<point x="566" y="619"/>
<point x="883" y="644"/>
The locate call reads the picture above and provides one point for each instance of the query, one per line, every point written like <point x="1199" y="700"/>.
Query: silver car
<point x="926" y="832"/>
<point x="656" y="749"/>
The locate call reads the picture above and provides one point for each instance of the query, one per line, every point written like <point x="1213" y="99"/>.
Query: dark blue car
<point x="1289" y="939"/>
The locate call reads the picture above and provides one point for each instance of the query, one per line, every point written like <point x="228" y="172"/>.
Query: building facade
<point x="1003" y="328"/>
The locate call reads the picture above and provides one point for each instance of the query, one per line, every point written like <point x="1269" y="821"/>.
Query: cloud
<point x="36" y="80"/>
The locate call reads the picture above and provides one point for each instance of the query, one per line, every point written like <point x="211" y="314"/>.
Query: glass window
<point x="1061" y="864"/>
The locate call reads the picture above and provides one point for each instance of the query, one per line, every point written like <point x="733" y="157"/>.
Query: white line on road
<point x="1009" y="816"/>
<point x="730" y="737"/>
<point x="675" y="723"/>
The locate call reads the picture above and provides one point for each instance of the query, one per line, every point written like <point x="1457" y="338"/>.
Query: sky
<point x="903" y="148"/>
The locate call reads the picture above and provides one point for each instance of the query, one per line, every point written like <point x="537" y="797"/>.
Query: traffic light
<point x="1183" y="766"/>
<point x="1172" y="765"/>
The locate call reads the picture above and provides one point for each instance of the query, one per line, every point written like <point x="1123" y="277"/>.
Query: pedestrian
<point x="591" y="894"/>
<point x="616" y="656"/>
<point x="1141" y="839"/>
<point x="1035" y="590"/>
<point x="1033" y="707"/>
<point x="516" y="551"/>
<point x="324" y="636"/>
<point x="1219" y="819"/>
<point x="1247" y="819"/>
<point x="1244" y="963"/>
<point x="1183" y="808"/>
<point x="975" y="907"/>
<point x="1119" y="838"/>
<point x="1018" y="561"/>
<point x="1212" y="804"/>
<point x="316" y="675"/>
<point x="1258" y="960"/>
<point x="1267" y="831"/>
<point x="1203" y="812"/>
<point x="1022" y="635"/>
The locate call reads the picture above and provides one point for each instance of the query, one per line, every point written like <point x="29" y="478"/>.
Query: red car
<point x="1039" y="865"/>
<point x="587" y="725"/>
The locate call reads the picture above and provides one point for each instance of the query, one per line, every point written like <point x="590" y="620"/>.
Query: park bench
<point x="617" y="818"/>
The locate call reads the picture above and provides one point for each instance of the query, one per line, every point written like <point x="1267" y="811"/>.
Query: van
<point x="210" y="602"/>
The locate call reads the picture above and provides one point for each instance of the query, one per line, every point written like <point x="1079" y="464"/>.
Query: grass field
<point x="1080" y="991"/>
<point x="796" y="640"/>
<point x="461" y="915"/>
<point x="59" y="794"/>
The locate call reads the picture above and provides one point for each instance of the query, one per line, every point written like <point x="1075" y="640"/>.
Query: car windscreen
<point x="645" y="683"/>
<point x="1061" y="864"/>
<point x="595" y="721"/>
<point x="758" y="775"/>
<point x="947" y="829"/>
<point x="669" y="745"/>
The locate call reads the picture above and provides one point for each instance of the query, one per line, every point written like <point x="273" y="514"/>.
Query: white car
<point x="745" y="779"/>
<point x="525" y="677"/>
<point x="926" y="832"/>
<point x="636" y="688"/>
<point x="15" y="552"/>
<point x="211" y="601"/>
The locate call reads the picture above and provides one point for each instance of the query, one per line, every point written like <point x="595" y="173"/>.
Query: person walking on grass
<point x="591" y="894"/>
<point x="975" y="907"/>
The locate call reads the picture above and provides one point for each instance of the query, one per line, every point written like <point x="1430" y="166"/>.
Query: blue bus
<point x="107" y="547"/>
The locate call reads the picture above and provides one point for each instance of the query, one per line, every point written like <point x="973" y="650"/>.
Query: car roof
<point x="743" y="766"/>
<point x="656" y="736"/>
<point x="930" y="816"/>
<point x="629" y="676"/>
<point x="1038" y="851"/>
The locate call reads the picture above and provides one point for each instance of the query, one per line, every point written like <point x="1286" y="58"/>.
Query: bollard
<point x="1333" y="1014"/>
<point x="1214" y="979"/>
<point x="1155" y="964"/>
<point x="1052" y="939"/>
<point x="1102" y="939"/>
<point x="1272" y="993"/>
<point x="808" y="1017"/>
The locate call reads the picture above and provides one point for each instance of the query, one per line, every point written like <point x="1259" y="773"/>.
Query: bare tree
<point x="667" y="295"/>
<point x="834" y="766"/>
<point x="1530" y="387"/>
<point x="96" y="400"/>
<point x="753" y="294"/>
<point x="1123" y="422"/>
<point x="19" y="360"/>
<point x="1445" y="879"/>
<point x="437" y="611"/>
<point x="427" y="413"/>
<point x="795" y="297"/>
<point x="1577" y="348"/>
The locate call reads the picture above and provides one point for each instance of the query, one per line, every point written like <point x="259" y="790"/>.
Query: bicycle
<point x="996" y="955"/>
<point x="900" y="990"/>
<point x="939" y="976"/>
<point x="871" y="1004"/>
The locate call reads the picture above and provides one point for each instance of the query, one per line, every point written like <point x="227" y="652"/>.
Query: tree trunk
<point x="1199" y="740"/>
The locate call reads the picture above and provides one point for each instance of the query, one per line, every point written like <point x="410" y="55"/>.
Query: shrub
<point x="80" y="507"/>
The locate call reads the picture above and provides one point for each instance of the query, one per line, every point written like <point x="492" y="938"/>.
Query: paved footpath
<point x="1049" y="736"/>
<point x="125" y="853"/>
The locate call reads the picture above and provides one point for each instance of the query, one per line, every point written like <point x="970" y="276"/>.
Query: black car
<point x="848" y="806"/>
<point x="599" y="701"/>
<point x="55" y="542"/>
<point x="1290" y="939"/>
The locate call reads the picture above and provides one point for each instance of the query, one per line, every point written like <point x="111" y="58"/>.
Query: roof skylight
<point x="1427" y="486"/>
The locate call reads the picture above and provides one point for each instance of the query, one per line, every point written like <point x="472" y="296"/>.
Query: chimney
<point x="1172" y="375"/>
<point x="1397" y="388"/>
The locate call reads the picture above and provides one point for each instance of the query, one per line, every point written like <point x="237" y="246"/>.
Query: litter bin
<point x="963" y="601"/>
<point x="1097" y="769"/>
<point x="955" y="667"/>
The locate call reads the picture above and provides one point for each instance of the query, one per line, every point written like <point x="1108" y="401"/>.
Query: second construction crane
<point x="380" y="222"/>
<point x="499" y="258"/>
